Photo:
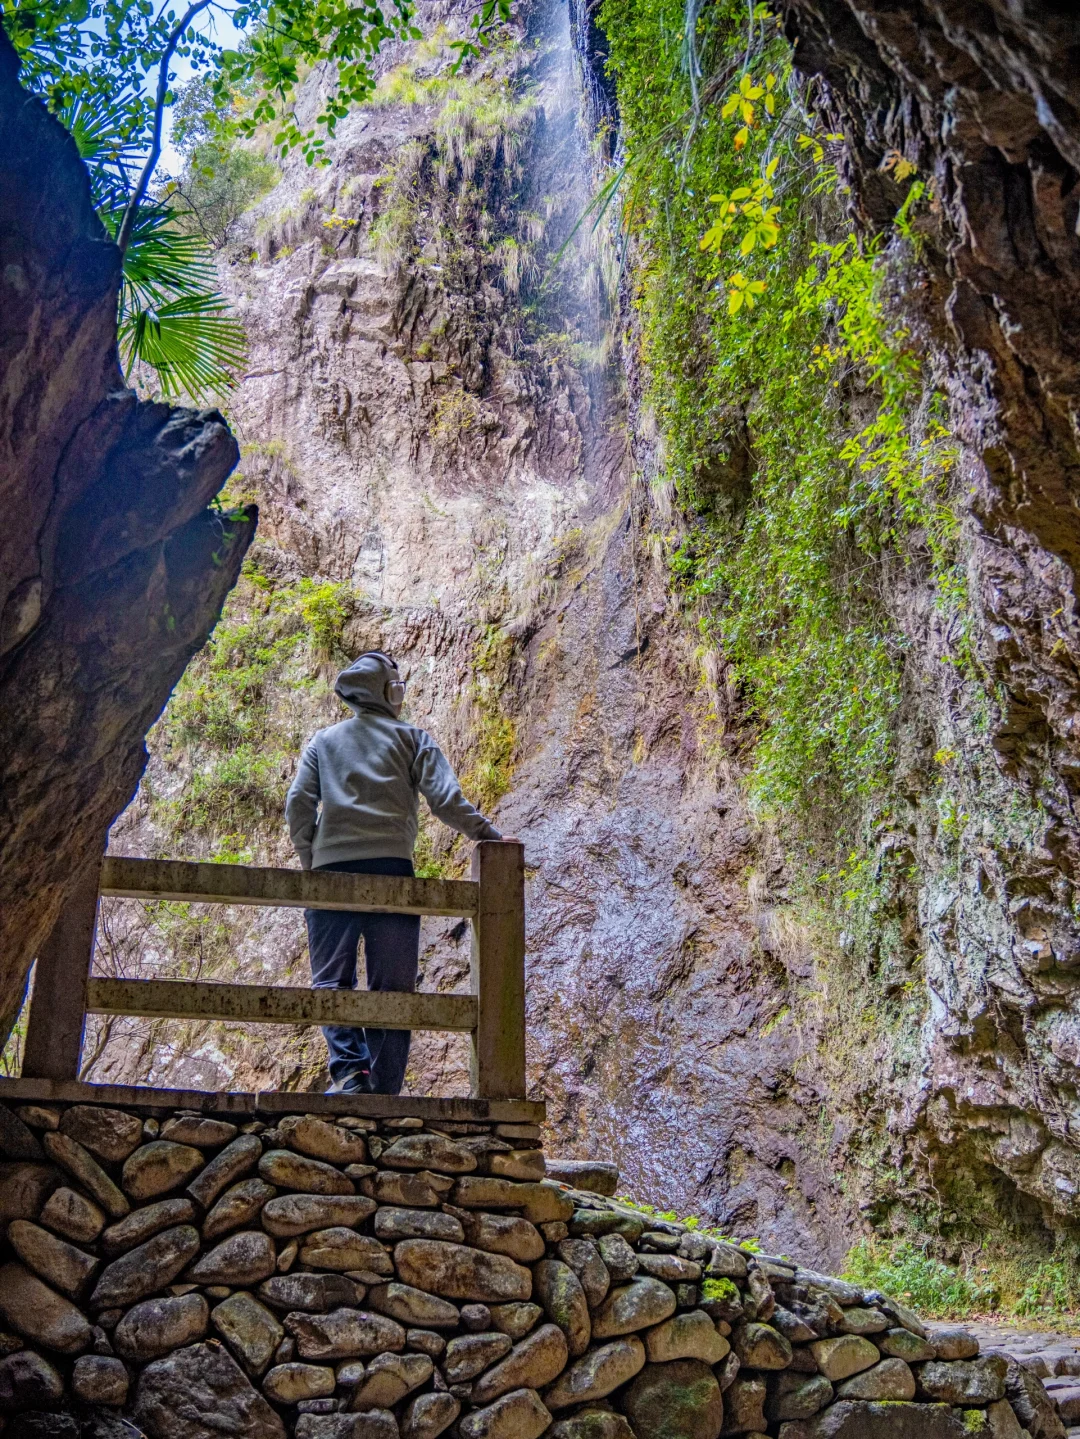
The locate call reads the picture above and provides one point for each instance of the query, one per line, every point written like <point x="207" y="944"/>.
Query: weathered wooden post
<point x="54" y="1031"/>
<point x="498" y="971"/>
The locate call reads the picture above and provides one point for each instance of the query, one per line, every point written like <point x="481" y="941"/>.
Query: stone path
<point x="1054" y="1357"/>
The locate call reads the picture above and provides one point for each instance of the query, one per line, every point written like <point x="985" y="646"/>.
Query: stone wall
<point x="173" y="1274"/>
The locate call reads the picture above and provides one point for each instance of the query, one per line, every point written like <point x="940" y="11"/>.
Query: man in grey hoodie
<point x="353" y="807"/>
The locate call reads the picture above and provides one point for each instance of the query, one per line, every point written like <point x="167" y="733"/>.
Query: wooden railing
<point x="65" y="990"/>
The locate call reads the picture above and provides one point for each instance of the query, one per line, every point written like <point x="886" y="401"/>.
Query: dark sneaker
<point x="359" y="1082"/>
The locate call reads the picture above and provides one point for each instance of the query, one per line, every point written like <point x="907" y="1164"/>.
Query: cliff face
<point x="112" y="568"/>
<point x="438" y="447"/>
<point x="982" y="100"/>
<point x="448" y="456"/>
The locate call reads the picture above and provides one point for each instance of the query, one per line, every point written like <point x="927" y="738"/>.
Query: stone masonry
<point x="172" y="1274"/>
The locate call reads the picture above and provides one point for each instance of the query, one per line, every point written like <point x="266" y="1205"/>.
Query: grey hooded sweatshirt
<point x="356" y="792"/>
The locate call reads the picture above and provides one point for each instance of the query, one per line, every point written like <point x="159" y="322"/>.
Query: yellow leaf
<point x="734" y="302"/>
<point x="770" y="169"/>
<point x="749" y="240"/>
<point x="741" y="193"/>
<point x="747" y="111"/>
<point x="770" y="104"/>
<point x="741" y="137"/>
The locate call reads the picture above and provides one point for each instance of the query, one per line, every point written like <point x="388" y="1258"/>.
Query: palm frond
<point x="191" y="341"/>
<point x="103" y="140"/>
<point x="161" y="262"/>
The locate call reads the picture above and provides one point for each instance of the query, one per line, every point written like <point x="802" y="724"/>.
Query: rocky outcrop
<point x="617" y="1325"/>
<point x="112" y="566"/>
<point x="443" y="437"/>
<point x="981" y="100"/>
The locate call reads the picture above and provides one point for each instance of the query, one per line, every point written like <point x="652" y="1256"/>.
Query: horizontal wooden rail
<point x="65" y="990"/>
<point x="272" y="1004"/>
<point x="179" y="879"/>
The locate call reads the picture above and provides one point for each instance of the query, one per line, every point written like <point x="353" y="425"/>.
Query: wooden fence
<point x="493" y="1014"/>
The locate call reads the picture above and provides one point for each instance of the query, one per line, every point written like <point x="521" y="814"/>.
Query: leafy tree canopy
<point x="107" y="68"/>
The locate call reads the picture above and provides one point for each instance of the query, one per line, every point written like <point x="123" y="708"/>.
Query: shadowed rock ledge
<point x="112" y="567"/>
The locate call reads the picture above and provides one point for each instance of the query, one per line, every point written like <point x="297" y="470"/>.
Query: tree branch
<point x="131" y="210"/>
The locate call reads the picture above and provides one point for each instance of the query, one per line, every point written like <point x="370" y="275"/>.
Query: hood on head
<point x="363" y="684"/>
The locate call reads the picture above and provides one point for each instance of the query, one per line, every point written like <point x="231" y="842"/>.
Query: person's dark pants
<point x="391" y="954"/>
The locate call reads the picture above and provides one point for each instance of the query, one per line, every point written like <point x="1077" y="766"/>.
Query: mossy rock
<point x="680" y="1400"/>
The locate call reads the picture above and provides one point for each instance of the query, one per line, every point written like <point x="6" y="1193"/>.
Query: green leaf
<point x="194" y="345"/>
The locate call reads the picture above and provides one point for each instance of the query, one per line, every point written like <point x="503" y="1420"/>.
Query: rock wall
<point x="981" y="100"/>
<point x="334" y="1276"/>
<point x="452" y="450"/>
<point x="112" y="566"/>
<point x="447" y="440"/>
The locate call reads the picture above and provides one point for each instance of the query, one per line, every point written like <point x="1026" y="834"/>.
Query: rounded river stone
<point x="559" y="1290"/>
<point x="243" y="1258"/>
<point x="292" y="1382"/>
<point x="27" y="1381"/>
<point x="393" y="1222"/>
<point x="598" y="1373"/>
<point x="536" y="1361"/>
<point x="344" y="1250"/>
<point x="691" y="1335"/>
<point x="292" y="1214"/>
<point x="143" y="1224"/>
<point x="157" y="1326"/>
<point x="237" y="1206"/>
<point x="309" y="1176"/>
<point x="145" y="1269"/>
<point x="428" y="1151"/>
<point x="411" y="1306"/>
<point x="196" y="1129"/>
<point x="320" y="1139"/>
<point x="637" y="1305"/>
<point x="680" y="1400"/>
<point x="428" y="1415"/>
<point x="159" y="1167"/>
<point x="309" y="1293"/>
<point x="73" y="1216"/>
<point x="519" y="1415"/>
<point x="34" y="1310"/>
<point x="249" y="1329"/>
<point x="234" y="1161"/>
<point x="60" y="1264"/>
<point x="343" y="1334"/>
<point x="470" y="1354"/>
<point x="111" y="1134"/>
<point x="455" y="1271"/>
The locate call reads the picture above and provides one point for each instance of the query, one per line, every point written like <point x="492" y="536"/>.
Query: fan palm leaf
<point x="195" y="346"/>
<point x="171" y="316"/>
